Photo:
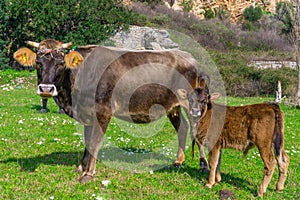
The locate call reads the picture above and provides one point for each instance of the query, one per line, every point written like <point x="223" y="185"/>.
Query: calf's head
<point x="51" y="59"/>
<point x="198" y="100"/>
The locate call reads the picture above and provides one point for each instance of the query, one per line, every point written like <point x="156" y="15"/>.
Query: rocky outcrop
<point x="144" y="38"/>
<point x="235" y="8"/>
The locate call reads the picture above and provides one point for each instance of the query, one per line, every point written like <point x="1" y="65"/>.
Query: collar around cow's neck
<point x="46" y="50"/>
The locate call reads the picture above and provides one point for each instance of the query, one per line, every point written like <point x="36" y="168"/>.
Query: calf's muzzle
<point x="47" y="90"/>
<point x="195" y="112"/>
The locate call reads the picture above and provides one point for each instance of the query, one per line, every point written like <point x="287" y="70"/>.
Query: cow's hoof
<point x="177" y="165"/>
<point x="208" y="185"/>
<point x="85" y="178"/>
<point x="79" y="169"/>
<point x="203" y="165"/>
<point x="61" y="111"/>
<point x="43" y="110"/>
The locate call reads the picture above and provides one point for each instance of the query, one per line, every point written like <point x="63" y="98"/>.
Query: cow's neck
<point x="65" y="91"/>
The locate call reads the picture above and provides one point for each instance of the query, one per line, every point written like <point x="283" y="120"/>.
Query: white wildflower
<point x="105" y="182"/>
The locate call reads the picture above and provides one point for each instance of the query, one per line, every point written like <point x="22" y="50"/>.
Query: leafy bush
<point x="3" y="37"/>
<point x="252" y="14"/>
<point x="209" y="13"/>
<point x="285" y="13"/>
<point x="187" y="5"/>
<point x="82" y="22"/>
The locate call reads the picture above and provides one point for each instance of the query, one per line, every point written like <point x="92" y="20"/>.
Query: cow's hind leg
<point x="181" y="127"/>
<point x="269" y="163"/>
<point x="283" y="163"/>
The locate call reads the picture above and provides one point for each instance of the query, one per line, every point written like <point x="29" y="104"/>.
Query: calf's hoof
<point x="208" y="185"/>
<point x="43" y="110"/>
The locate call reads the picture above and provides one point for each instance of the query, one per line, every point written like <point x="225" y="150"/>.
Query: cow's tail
<point x="278" y="144"/>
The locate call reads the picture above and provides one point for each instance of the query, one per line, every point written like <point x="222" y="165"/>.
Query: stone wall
<point x="273" y="64"/>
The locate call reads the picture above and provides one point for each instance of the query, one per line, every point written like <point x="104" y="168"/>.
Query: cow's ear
<point x="25" y="57"/>
<point x="182" y="93"/>
<point x="73" y="59"/>
<point x="214" y="96"/>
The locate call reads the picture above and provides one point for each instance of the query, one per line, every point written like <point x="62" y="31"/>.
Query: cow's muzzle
<point x="195" y="112"/>
<point x="47" y="90"/>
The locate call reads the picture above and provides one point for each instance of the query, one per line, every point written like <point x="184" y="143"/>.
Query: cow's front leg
<point x="44" y="105"/>
<point x="93" y="136"/>
<point x="203" y="161"/>
<point x="61" y="110"/>
<point x="181" y="127"/>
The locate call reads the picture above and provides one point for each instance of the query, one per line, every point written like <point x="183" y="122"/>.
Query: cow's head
<point x="199" y="100"/>
<point x="50" y="60"/>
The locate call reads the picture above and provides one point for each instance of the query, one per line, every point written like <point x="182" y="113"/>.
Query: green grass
<point x="39" y="154"/>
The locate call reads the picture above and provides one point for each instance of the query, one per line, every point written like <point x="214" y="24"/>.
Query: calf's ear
<point x="214" y="96"/>
<point x="73" y="59"/>
<point x="182" y="93"/>
<point x="25" y="57"/>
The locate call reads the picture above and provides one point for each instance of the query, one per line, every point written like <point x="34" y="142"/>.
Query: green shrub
<point x="252" y="14"/>
<point x="3" y="37"/>
<point x="82" y="22"/>
<point x="209" y="13"/>
<point x="187" y="5"/>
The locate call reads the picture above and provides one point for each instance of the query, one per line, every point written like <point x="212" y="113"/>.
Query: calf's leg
<point x="269" y="163"/>
<point x="213" y="161"/>
<point x="283" y="164"/>
<point x="218" y="171"/>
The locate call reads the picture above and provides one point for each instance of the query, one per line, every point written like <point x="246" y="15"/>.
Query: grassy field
<point x="39" y="154"/>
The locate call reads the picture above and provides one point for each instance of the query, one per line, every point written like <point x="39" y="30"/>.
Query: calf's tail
<point x="282" y="158"/>
<point x="278" y="131"/>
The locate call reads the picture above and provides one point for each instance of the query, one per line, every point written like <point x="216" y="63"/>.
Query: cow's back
<point x="140" y="85"/>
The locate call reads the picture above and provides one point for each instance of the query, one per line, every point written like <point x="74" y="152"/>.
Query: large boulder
<point x="144" y="38"/>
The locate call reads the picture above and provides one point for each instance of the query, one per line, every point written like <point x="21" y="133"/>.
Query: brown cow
<point x="244" y="127"/>
<point x="92" y="83"/>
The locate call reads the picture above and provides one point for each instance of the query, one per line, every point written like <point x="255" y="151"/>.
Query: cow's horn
<point x="33" y="44"/>
<point x="66" y="45"/>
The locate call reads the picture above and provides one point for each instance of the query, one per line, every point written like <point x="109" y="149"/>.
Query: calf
<point x="244" y="127"/>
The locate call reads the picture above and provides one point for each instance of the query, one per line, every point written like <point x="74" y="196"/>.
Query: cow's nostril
<point x="51" y="89"/>
<point x="40" y="88"/>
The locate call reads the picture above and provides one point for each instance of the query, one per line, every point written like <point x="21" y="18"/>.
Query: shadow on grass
<point x="237" y="182"/>
<point x="55" y="158"/>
